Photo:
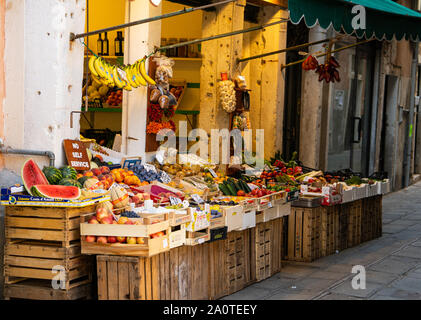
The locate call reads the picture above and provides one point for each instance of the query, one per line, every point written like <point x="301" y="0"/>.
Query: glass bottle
<point x="99" y="45"/>
<point x="119" y="44"/>
<point x="105" y="46"/>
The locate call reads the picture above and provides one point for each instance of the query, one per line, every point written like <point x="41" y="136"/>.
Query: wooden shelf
<point x="105" y="57"/>
<point x="103" y="109"/>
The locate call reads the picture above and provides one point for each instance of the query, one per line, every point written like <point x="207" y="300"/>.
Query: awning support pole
<point x="223" y="35"/>
<point x="324" y="54"/>
<point x="135" y="23"/>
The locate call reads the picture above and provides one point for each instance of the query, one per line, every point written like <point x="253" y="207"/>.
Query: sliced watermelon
<point x="56" y="192"/>
<point x="32" y="175"/>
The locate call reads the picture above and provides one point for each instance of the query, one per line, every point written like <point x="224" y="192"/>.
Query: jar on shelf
<point x="192" y="50"/>
<point x="173" y="51"/>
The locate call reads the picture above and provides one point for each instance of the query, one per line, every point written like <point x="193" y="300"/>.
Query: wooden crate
<point x="328" y="232"/>
<point x="371" y="224"/>
<point x="276" y="245"/>
<point x="42" y="290"/>
<point x="218" y="271"/>
<point x="197" y="237"/>
<point x="263" y="244"/>
<point x="341" y="226"/>
<point x="179" y="274"/>
<point x="25" y="259"/>
<point x="45" y="224"/>
<point x="304" y="234"/>
<point x="151" y="246"/>
<point x="236" y="261"/>
<point x="177" y="236"/>
<point x="354" y="223"/>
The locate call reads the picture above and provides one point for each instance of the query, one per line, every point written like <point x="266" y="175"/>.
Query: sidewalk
<point x="392" y="262"/>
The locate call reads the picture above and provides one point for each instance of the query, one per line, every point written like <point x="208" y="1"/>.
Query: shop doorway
<point x="350" y="110"/>
<point x="296" y="34"/>
<point x="389" y="137"/>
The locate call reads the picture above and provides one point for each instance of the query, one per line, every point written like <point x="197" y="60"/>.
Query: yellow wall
<point x="187" y="26"/>
<point x="103" y="14"/>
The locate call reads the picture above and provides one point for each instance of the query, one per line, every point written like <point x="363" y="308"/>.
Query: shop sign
<point x="76" y="154"/>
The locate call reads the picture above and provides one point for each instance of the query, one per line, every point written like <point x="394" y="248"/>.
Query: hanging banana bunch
<point x="127" y="77"/>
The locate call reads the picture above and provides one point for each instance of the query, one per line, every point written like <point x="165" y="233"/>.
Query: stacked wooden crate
<point x="42" y="258"/>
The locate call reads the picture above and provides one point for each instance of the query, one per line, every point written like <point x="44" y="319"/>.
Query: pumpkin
<point x="107" y="205"/>
<point x="93" y="184"/>
<point x="119" y="197"/>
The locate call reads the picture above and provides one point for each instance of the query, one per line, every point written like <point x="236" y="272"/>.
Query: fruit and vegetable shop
<point x="131" y="216"/>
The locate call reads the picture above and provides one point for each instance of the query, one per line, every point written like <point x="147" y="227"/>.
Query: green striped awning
<point x="385" y="19"/>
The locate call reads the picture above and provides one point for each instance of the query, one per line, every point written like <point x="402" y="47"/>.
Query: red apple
<point x="129" y="222"/>
<point x="121" y="239"/>
<point x="111" y="239"/>
<point x="101" y="240"/>
<point x="93" y="220"/>
<point x="107" y="220"/>
<point x="101" y="213"/>
<point x="90" y="238"/>
<point x="96" y="171"/>
<point x="104" y="169"/>
<point x="140" y="240"/>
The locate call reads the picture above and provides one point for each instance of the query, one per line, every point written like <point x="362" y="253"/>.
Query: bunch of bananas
<point x="127" y="77"/>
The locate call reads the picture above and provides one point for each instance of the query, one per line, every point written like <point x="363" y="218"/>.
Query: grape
<point x="130" y="214"/>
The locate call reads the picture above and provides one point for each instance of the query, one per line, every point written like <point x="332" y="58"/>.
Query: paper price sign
<point x="197" y="198"/>
<point x="175" y="201"/>
<point x="149" y="167"/>
<point x="213" y="173"/>
<point x="165" y="177"/>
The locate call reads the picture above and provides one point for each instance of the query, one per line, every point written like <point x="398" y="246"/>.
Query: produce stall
<point x="176" y="231"/>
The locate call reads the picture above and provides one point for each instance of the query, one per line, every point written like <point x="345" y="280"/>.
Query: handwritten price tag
<point x="197" y="198"/>
<point x="175" y="201"/>
<point x="213" y="173"/>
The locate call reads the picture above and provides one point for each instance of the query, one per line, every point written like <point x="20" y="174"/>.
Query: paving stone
<point x="399" y="294"/>
<point x="346" y="289"/>
<point x="417" y="244"/>
<point x="281" y="295"/>
<point x="408" y="284"/>
<point x="275" y="282"/>
<point x="336" y="296"/>
<point x="410" y="251"/>
<point x="249" y="293"/>
<point x="380" y="277"/>
<point x="297" y="271"/>
<point x="329" y="275"/>
<point x="396" y="265"/>
<point x="403" y="222"/>
<point x="314" y="284"/>
<point x="392" y="228"/>
<point x="379" y="297"/>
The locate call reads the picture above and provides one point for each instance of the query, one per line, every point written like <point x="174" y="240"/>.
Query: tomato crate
<point x="148" y="227"/>
<point x="249" y="204"/>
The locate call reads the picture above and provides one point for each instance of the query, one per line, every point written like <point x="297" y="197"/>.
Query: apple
<point x="104" y="169"/>
<point x="131" y="240"/>
<point x="146" y="196"/>
<point x="140" y="240"/>
<point x="93" y="220"/>
<point x="111" y="239"/>
<point x="101" y="239"/>
<point x="121" y="239"/>
<point x="90" y="238"/>
<point x="107" y="220"/>
<point x="123" y="220"/>
<point x="96" y="171"/>
<point x="114" y="222"/>
<point x="101" y="213"/>
<point x="129" y="222"/>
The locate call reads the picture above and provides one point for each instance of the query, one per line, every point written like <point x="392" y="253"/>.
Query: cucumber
<point x="238" y="186"/>
<point x="247" y="187"/>
<point x="242" y="185"/>
<point x="224" y="189"/>
<point x="231" y="189"/>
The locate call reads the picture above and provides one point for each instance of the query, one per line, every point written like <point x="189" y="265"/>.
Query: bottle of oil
<point x="99" y="45"/>
<point x="105" y="46"/>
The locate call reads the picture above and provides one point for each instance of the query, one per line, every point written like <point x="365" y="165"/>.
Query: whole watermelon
<point x="68" y="172"/>
<point x="70" y="182"/>
<point x="82" y="180"/>
<point x="52" y="174"/>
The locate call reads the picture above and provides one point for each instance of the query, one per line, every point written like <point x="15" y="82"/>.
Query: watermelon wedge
<point x="56" y="192"/>
<point x="32" y="175"/>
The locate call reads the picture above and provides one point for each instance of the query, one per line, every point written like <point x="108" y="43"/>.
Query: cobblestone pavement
<point x="392" y="263"/>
